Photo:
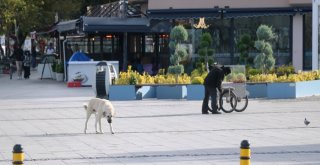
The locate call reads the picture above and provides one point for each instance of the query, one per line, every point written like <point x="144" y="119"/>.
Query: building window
<point x="280" y="26"/>
<point x="107" y="43"/>
<point x="149" y="44"/>
<point x="111" y="43"/>
<point x="163" y="43"/>
<point x="307" y="41"/>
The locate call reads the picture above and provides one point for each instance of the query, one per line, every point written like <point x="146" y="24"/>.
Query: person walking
<point x="27" y="64"/>
<point x="212" y="84"/>
<point x="18" y="56"/>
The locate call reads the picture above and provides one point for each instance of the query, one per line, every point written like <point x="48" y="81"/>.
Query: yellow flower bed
<point x="263" y="78"/>
<point x="134" y="78"/>
<point x="302" y="76"/>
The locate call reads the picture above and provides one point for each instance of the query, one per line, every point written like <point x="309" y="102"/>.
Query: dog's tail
<point x="85" y="105"/>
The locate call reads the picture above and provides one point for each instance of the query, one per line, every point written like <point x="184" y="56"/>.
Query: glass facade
<point x="226" y="33"/>
<point x="307" y="42"/>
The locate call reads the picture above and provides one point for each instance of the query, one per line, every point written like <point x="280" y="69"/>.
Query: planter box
<point x="171" y="92"/>
<point x="122" y="92"/>
<point x="146" y="92"/>
<point x="195" y="92"/>
<point x="257" y="90"/>
<point x="59" y="77"/>
<point x="293" y="90"/>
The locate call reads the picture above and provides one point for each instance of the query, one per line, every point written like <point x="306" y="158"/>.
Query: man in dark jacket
<point x="212" y="84"/>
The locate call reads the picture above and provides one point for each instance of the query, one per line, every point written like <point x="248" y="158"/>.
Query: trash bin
<point x="105" y="76"/>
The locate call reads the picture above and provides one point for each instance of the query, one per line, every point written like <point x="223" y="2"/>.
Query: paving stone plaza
<point x="47" y="119"/>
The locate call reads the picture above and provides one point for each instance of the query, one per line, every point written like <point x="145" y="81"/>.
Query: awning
<point x="61" y="27"/>
<point x="67" y="25"/>
<point x="258" y="12"/>
<point x="114" y="24"/>
<point x="183" y="13"/>
<point x="217" y="13"/>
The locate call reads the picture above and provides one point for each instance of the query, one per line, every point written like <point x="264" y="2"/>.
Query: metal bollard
<point x="245" y="153"/>
<point x="18" y="155"/>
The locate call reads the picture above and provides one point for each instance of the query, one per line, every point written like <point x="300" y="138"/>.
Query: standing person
<point x="50" y="49"/>
<point x="18" y="56"/>
<point x="26" y="65"/>
<point x="212" y="84"/>
<point x="33" y="57"/>
<point x="1" y="51"/>
<point x="69" y="52"/>
<point x="76" y="48"/>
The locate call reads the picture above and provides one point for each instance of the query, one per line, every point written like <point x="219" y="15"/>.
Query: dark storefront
<point x="227" y="26"/>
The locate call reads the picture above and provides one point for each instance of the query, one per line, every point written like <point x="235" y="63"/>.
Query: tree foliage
<point x="264" y="60"/>
<point x="19" y="17"/>
<point x="244" y="45"/>
<point x="205" y="51"/>
<point x="177" y="35"/>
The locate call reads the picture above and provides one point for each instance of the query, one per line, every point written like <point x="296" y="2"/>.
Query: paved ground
<point x="47" y="118"/>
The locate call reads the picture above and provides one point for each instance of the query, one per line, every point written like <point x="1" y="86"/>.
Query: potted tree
<point x="178" y="53"/>
<point x="59" y="71"/>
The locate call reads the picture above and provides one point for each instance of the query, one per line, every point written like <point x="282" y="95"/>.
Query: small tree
<point x="205" y="51"/>
<point x="244" y="45"/>
<point x="177" y="35"/>
<point x="264" y="60"/>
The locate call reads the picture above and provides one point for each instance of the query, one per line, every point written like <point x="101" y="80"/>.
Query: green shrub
<point x="177" y="35"/>
<point x="59" y="68"/>
<point x="264" y="60"/>
<point x="176" y="69"/>
<point x="53" y="66"/>
<point x="284" y="70"/>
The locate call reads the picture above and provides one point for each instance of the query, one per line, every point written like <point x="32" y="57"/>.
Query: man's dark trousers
<point x="209" y="92"/>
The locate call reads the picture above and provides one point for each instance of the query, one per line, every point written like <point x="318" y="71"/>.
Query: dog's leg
<point x="85" y="127"/>
<point x="100" y="125"/>
<point x="110" y="123"/>
<point x="96" y="123"/>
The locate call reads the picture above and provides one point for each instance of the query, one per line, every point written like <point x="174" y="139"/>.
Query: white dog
<point x="101" y="108"/>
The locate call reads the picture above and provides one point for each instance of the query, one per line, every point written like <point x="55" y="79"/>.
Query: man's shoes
<point x="205" y="113"/>
<point x="215" y="112"/>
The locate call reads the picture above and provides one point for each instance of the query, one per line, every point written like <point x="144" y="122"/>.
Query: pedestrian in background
<point x="76" y="48"/>
<point x="50" y="49"/>
<point x="33" y="57"/>
<point x="212" y="84"/>
<point x="18" y="56"/>
<point x="69" y="52"/>
<point x="27" y="64"/>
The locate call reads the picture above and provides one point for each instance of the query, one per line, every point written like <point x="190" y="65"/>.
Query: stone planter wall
<point x="195" y="92"/>
<point x="171" y="91"/>
<point x="257" y="90"/>
<point x="122" y="92"/>
<point x="147" y="91"/>
<point x="293" y="90"/>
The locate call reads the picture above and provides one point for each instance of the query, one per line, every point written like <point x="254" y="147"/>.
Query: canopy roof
<point x="114" y="24"/>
